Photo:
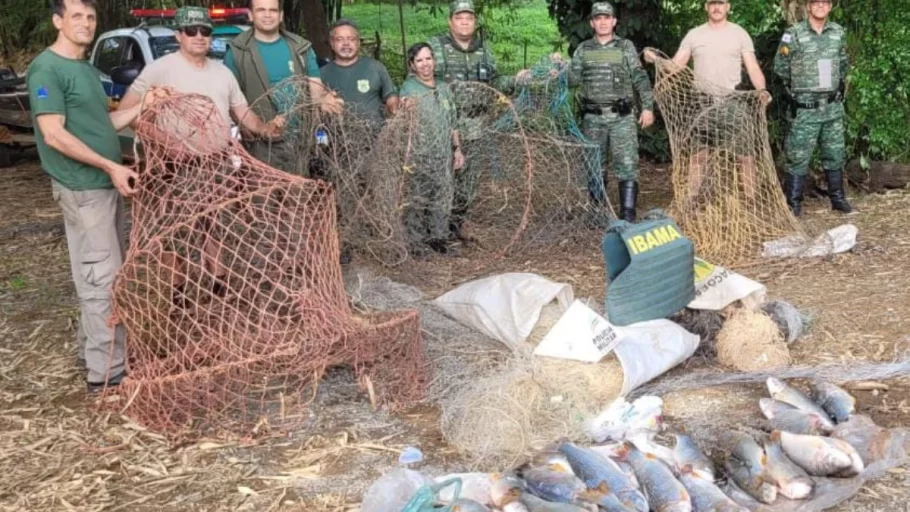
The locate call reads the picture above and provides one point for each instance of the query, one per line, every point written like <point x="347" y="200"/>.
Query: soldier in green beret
<point x="609" y="72"/>
<point x="812" y="61"/>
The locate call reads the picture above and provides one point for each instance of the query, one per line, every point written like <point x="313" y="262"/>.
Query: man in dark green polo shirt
<point x="79" y="149"/>
<point x="363" y="82"/>
<point x="263" y="57"/>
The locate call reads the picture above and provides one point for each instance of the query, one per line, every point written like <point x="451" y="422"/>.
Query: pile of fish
<point x="640" y="475"/>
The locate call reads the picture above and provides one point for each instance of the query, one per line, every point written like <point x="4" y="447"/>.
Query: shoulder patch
<point x="41" y="93"/>
<point x="787" y="38"/>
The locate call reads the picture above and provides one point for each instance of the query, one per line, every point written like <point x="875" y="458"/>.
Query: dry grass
<point x="750" y="341"/>
<point x="59" y="453"/>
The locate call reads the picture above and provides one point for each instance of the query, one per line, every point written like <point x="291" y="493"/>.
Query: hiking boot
<point x="836" y="191"/>
<point x="793" y="191"/>
<point x="94" y="388"/>
<point x="628" y="197"/>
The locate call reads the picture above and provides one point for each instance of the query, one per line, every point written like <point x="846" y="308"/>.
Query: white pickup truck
<point x="120" y="56"/>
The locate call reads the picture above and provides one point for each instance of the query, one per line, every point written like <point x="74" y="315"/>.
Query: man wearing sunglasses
<point x="812" y="61"/>
<point x="190" y="71"/>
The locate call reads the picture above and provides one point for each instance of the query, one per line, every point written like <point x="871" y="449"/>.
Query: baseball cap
<point x="461" y="6"/>
<point x="601" y="9"/>
<point x="193" y="16"/>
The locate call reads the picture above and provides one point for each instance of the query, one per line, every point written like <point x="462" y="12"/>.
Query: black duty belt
<point x="622" y="107"/>
<point x="831" y="98"/>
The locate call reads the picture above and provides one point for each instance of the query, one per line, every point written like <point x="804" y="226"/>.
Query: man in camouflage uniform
<point x="462" y="57"/>
<point x="812" y="61"/>
<point x="609" y="72"/>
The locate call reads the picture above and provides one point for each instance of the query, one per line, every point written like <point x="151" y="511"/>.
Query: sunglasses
<point x="197" y="30"/>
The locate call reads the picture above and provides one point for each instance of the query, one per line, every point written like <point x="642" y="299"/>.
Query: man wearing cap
<point x="720" y="49"/>
<point x="460" y="56"/>
<point x="812" y="61"/>
<point x="363" y="82"/>
<point x="190" y="71"/>
<point x="609" y="73"/>
<point x="262" y="58"/>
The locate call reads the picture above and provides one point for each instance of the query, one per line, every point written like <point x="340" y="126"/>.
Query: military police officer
<point x="460" y="56"/>
<point x="812" y="61"/>
<point x="609" y="72"/>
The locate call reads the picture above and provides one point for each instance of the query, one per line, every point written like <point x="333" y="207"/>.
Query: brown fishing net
<point x="231" y="292"/>
<point x="525" y="179"/>
<point x="727" y="197"/>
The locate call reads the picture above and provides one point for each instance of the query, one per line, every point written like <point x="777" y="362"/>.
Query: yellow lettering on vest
<point x="673" y="233"/>
<point x="631" y="245"/>
<point x="641" y="243"/>
<point x="652" y="240"/>
<point x="661" y="234"/>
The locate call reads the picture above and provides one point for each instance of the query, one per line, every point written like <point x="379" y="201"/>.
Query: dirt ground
<point x="60" y="453"/>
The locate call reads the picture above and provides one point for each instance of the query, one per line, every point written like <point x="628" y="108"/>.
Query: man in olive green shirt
<point x="363" y="82"/>
<point x="79" y="149"/>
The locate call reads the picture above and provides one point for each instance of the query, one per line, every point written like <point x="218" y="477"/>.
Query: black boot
<point x="836" y="191"/>
<point x="628" y="196"/>
<point x="793" y="190"/>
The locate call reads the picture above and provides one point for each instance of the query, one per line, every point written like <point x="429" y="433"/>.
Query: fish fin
<point x="775" y="436"/>
<point x="603" y="487"/>
<point x="687" y="468"/>
<point x="556" y="468"/>
<point x="591" y="496"/>
<point x="622" y="452"/>
<point x="651" y="456"/>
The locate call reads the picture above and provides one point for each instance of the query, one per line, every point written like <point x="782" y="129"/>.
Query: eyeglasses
<point x="197" y="30"/>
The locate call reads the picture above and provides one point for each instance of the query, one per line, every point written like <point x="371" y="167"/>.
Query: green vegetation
<point x="508" y="30"/>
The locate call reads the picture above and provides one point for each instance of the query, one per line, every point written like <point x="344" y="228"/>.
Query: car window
<point x="132" y="54"/>
<point x="163" y="45"/>
<point x="108" y="55"/>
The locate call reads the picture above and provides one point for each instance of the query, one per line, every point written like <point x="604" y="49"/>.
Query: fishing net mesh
<point x="231" y="292"/>
<point x="726" y="195"/>
<point x="526" y="177"/>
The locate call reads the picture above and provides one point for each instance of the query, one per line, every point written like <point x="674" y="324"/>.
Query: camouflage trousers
<point x="428" y="208"/>
<point x="618" y="137"/>
<point x="823" y="127"/>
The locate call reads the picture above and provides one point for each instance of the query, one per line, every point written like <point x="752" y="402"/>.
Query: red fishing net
<point x="232" y="293"/>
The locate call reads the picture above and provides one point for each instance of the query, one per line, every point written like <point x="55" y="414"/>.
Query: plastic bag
<point x="834" y="241"/>
<point x="649" y="349"/>
<point x="626" y="420"/>
<point x="717" y="287"/>
<point x="504" y="307"/>
<point x="474" y="486"/>
<point x="393" y="490"/>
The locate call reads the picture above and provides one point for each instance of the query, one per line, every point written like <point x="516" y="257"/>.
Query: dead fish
<point x="532" y="503"/>
<point x="834" y="400"/>
<point x="799" y="421"/>
<point x="781" y="391"/>
<point x="771" y="407"/>
<point x="751" y="483"/>
<point x="552" y="459"/>
<point x="552" y="485"/>
<point x="815" y="454"/>
<point x="506" y="489"/>
<point x="597" y="471"/>
<point x="856" y="462"/>
<point x="465" y="505"/>
<point x="790" y="479"/>
<point x="687" y="454"/>
<point x="706" y="497"/>
<point x="664" y="492"/>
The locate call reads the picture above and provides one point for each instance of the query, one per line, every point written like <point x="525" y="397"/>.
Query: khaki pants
<point x="95" y="239"/>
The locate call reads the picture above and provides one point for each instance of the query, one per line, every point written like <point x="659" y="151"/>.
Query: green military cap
<point x="193" y="16"/>
<point x="461" y="6"/>
<point x="601" y="9"/>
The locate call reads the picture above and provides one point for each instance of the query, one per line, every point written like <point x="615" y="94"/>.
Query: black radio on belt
<point x="622" y="107"/>
<point x="484" y="73"/>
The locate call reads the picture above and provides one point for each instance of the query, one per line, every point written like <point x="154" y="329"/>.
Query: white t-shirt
<point x="718" y="53"/>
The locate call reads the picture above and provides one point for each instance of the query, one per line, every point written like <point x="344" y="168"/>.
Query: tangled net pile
<point x="232" y="294"/>
<point x="727" y="197"/>
<point x="526" y="177"/>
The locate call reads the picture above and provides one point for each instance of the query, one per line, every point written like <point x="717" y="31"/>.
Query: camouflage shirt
<point x="809" y="62"/>
<point x="454" y="63"/>
<point x="609" y="72"/>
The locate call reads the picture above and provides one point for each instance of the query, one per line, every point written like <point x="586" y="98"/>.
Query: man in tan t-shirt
<point x="720" y="49"/>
